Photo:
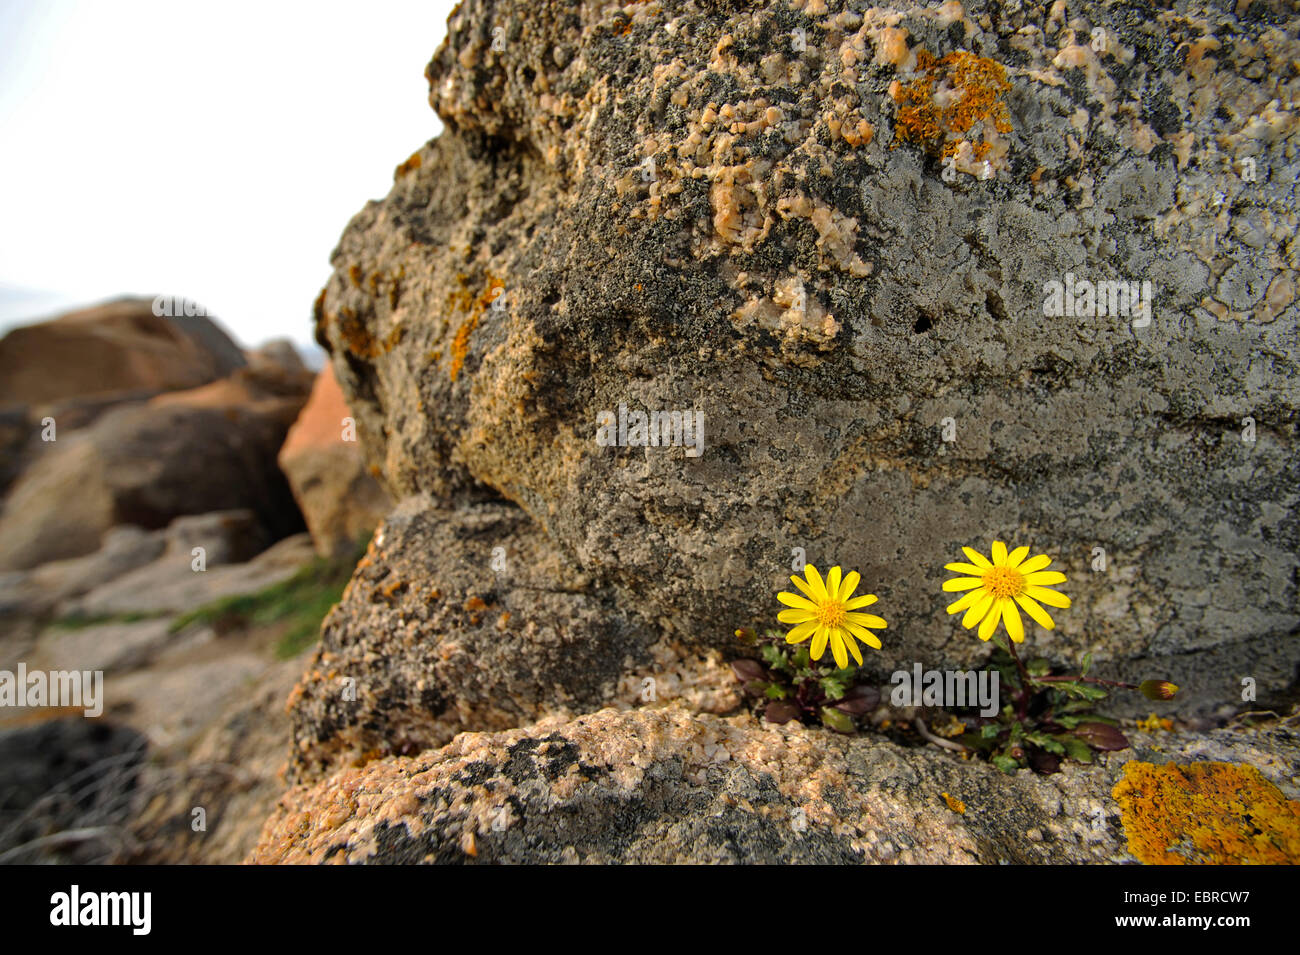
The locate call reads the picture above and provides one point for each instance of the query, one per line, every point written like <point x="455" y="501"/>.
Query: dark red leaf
<point x="748" y="670"/>
<point x="1043" y="762"/>
<point x="779" y="711"/>
<point x="1101" y="737"/>
<point x="858" y="700"/>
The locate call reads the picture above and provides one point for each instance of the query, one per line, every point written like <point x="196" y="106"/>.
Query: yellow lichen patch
<point x="1206" y="813"/>
<point x="955" y="804"/>
<point x="1153" y="723"/>
<point x="955" y="101"/>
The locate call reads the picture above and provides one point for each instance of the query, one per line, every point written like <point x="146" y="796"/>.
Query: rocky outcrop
<point x="659" y="785"/>
<point x="339" y="497"/>
<point x="835" y="234"/>
<point x="118" y="347"/>
<point x="210" y="448"/>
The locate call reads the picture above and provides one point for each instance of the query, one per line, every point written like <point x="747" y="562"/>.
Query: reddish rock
<point x="339" y="498"/>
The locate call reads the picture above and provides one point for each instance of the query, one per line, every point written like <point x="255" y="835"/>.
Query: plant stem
<point x="1084" y="679"/>
<point x="1022" y="705"/>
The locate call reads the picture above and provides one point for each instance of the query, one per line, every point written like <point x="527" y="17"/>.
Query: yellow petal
<point x="961" y="583"/>
<point x="837" y="648"/>
<point x="1045" y="578"/>
<point x="999" y="554"/>
<point x="976" y="558"/>
<point x="815" y="582"/>
<point x="803" y="586"/>
<point x="850" y="584"/>
<point x="1017" y="555"/>
<point x="833" y="582"/>
<point x="866" y="620"/>
<point x="961" y="603"/>
<point x="977" y="609"/>
<point x="1011" y="617"/>
<point x="990" y="622"/>
<point x="960" y="568"/>
<point x="866" y="600"/>
<point x="853" y="646"/>
<point x="802" y="632"/>
<point x="1049" y="597"/>
<point x="1034" y="610"/>
<point x="819" y="642"/>
<point x="1037" y="562"/>
<point x="863" y="634"/>
<point x="796" y="616"/>
<point x="797" y="602"/>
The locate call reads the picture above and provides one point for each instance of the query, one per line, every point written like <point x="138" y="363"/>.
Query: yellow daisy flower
<point x="825" y="613"/>
<point x="998" y="586"/>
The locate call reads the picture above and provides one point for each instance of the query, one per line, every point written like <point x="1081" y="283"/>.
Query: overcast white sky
<point x="214" y="151"/>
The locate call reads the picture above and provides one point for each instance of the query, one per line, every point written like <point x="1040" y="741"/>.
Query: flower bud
<point x="1158" y="689"/>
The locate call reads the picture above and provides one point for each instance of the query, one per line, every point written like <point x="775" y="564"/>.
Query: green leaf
<point x="1080" y="690"/>
<point x="1007" y="764"/>
<point x="801" y="658"/>
<point x="990" y="730"/>
<point x="837" y="720"/>
<point x="1076" y="749"/>
<point x="1087" y="663"/>
<point x="775" y="691"/>
<point x="833" y="688"/>
<point x="1049" y="743"/>
<point x="1038" y="666"/>
<point x="775" y="657"/>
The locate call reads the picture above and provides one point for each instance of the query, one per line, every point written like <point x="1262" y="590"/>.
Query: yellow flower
<point x="998" y="586"/>
<point x="825" y="613"/>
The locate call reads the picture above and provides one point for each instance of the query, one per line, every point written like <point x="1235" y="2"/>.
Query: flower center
<point x="1004" y="581"/>
<point x="831" y="614"/>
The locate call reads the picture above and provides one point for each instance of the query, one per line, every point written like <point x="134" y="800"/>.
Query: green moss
<point x="299" y="605"/>
<point x="80" y="621"/>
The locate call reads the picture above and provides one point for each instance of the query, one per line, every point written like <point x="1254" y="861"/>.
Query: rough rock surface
<point x="207" y="449"/>
<point x="659" y="785"/>
<point x="340" y="499"/>
<point x="677" y="208"/>
<point x="117" y="347"/>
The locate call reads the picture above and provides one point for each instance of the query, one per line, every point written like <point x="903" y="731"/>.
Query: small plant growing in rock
<point x="787" y="684"/>
<point x="1050" y="716"/>
<point x="793" y="682"/>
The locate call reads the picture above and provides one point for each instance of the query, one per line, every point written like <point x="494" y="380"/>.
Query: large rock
<point x="119" y="346"/>
<point x="339" y="497"/>
<point x="657" y="786"/>
<point x="676" y="211"/>
<point x="208" y="449"/>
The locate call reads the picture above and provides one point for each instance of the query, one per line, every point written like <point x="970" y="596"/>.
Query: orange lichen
<point x="475" y="603"/>
<point x="358" y="339"/>
<point x="412" y="163"/>
<point x="942" y="106"/>
<point x="1206" y="813"/>
<point x="464" y="300"/>
<point x="955" y="804"/>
